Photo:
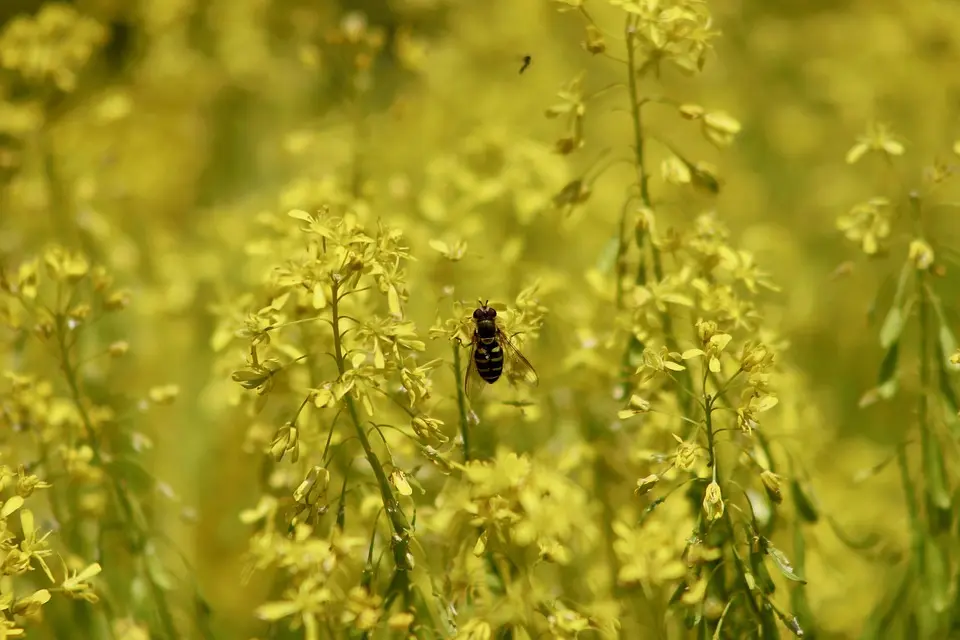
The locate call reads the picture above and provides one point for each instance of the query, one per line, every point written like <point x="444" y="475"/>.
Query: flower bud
<point x="771" y="483"/>
<point x="713" y="502"/>
<point x="644" y="485"/>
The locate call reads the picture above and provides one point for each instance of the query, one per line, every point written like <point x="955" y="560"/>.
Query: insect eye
<point x="491" y="312"/>
<point x="477" y="313"/>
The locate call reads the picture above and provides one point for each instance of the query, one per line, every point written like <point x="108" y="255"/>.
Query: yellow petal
<point x="276" y="610"/>
<point x="856" y="152"/>
<point x="10" y="506"/>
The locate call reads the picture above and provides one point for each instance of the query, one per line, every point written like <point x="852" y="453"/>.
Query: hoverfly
<point x="526" y="63"/>
<point x="491" y="350"/>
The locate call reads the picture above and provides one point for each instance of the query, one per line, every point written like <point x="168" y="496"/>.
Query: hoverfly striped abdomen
<point x="490" y="348"/>
<point x="488" y="356"/>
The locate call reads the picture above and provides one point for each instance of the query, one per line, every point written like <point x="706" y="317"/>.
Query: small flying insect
<point x="491" y="349"/>
<point x="526" y="63"/>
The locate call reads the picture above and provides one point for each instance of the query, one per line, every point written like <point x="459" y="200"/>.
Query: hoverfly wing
<point x="518" y="366"/>
<point x="473" y="384"/>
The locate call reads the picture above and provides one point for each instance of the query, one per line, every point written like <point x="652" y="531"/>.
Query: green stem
<point x="923" y="420"/>
<point x="622" y="244"/>
<point x="643" y="181"/>
<point x="390" y="504"/>
<point x="913" y="510"/>
<point x="927" y="446"/>
<point x="715" y="566"/>
<point x="461" y="402"/>
<point x="906" y="481"/>
<point x="711" y="444"/>
<point x="137" y="530"/>
<point x="923" y="313"/>
<point x="937" y="516"/>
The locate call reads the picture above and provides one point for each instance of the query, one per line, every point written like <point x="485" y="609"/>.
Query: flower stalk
<point x="397" y="518"/>
<point x="648" y="246"/>
<point x="458" y="374"/>
<point x="136" y="529"/>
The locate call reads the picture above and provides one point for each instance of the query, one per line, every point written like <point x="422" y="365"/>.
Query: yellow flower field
<point x="252" y="383"/>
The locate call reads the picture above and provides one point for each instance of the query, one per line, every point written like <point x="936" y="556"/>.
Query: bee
<point x="491" y="350"/>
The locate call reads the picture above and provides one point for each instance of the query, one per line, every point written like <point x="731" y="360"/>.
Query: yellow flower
<point x="475" y="630"/>
<point x="879" y="139"/>
<point x="713" y="502"/>
<point x="400" y="621"/>
<point x="363" y="610"/>
<point x="720" y="128"/>
<point x="867" y="223"/>
<point x="78" y="586"/>
<point x="51" y="46"/>
<point x="653" y="552"/>
<point x="30" y="605"/>
<point x="686" y="455"/>
<point x="921" y="254"/>
<point x="399" y="479"/>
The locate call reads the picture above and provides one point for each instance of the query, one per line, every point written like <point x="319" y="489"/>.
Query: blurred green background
<point x="192" y="116"/>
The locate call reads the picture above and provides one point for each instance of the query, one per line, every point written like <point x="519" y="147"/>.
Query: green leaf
<point x="866" y="542"/>
<point x="158" y="573"/>
<point x="947" y="392"/>
<point x="805" y="506"/>
<point x="783" y="563"/>
<point x="905" y="272"/>
<point x="878" y="622"/>
<point x="887" y="379"/>
<point x="865" y="474"/>
<point x="761" y="575"/>
<point x="936" y="481"/>
<point x="936" y="575"/>
<point x="608" y="255"/>
<point x="677" y="593"/>
<point x="412" y="481"/>
<point x="798" y="595"/>
<point x="951" y="419"/>
<point x="768" y="624"/>
<point x="799" y="547"/>
<point x="888" y="389"/>
<point x="946" y="341"/>
<point x="133" y="474"/>
<point x="650" y="507"/>
<point x="723" y="616"/>
<point x="888" y="366"/>
<point x="948" y="345"/>
<point x="892" y="327"/>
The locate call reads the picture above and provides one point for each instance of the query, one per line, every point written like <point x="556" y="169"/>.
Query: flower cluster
<point x="519" y="516"/>
<point x="52" y="46"/>
<point x="68" y="455"/>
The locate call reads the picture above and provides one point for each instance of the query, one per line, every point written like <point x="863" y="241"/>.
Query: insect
<point x="526" y="63"/>
<point x="492" y="349"/>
